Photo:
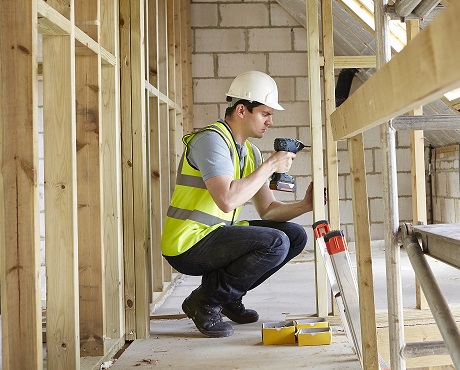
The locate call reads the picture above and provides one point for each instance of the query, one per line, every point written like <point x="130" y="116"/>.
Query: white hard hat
<point x="255" y="86"/>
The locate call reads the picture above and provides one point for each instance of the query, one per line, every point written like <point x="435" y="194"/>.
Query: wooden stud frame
<point x="103" y="220"/>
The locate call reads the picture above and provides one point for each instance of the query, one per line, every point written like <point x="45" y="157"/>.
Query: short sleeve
<point x="209" y="153"/>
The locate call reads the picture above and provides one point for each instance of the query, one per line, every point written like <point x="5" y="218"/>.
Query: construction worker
<point x="219" y="172"/>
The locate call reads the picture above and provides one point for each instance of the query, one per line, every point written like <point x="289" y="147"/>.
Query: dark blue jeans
<point x="235" y="259"/>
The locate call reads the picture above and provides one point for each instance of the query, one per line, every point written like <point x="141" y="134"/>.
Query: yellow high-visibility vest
<point x="193" y="214"/>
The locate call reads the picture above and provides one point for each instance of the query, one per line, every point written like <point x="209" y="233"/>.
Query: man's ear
<point x="240" y="108"/>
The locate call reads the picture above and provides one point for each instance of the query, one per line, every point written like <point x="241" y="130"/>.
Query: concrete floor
<point x="289" y="294"/>
<point x="175" y="343"/>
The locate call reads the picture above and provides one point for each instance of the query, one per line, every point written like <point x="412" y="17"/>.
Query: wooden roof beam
<point x="422" y="72"/>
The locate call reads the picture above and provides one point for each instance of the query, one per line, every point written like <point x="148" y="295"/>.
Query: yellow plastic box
<point x="278" y="332"/>
<point x="314" y="322"/>
<point x="314" y="336"/>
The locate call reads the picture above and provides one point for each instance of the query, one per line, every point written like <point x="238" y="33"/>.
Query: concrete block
<point x="376" y="210"/>
<point x="41" y="199"/>
<point x="40" y="119"/>
<point x="295" y="114"/>
<point x="219" y="40"/>
<point x="270" y="39"/>
<point x="349" y="231"/>
<point x="302" y="184"/>
<point x="371" y="138"/>
<point x="41" y="146"/>
<point x="244" y="15"/>
<point x="405" y="209"/>
<point x="222" y="108"/>
<point x="286" y="88"/>
<point x="41" y="171"/>
<point x="403" y="139"/>
<point x="378" y="160"/>
<point x="40" y="91"/>
<point x="202" y="65"/>
<point x="42" y="225"/>
<point x="377" y="231"/>
<point x="277" y="65"/>
<point x="343" y="162"/>
<point x="440" y="186"/>
<point x="453" y="184"/>
<point x="231" y="65"/>
<point x="346" y="211"/>
<point x="301" y="89"/>
<point x="369" y="160"/>
<point x="304" y="135"/>
<point x="404" y="184"/>
<point x="280" y="17"/>
<point x="344" y="187"/>
<point x="210" y="90"/>
<point x="301" y="165"/>
<point x="204" y="15"/>
<point x="300" y="39"/>
<point x="403" y="159"/>
<point x="204" y="114"/>
<point x="374" y="185"/>
<point x="305" y="220"/>
<point x="248" y="213"/>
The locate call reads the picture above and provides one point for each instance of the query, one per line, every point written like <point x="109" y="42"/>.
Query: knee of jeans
<point x="284" y="244"/>
<point x="298" y="236"/>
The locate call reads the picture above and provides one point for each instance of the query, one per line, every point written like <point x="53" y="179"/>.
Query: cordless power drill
<point x="283" y="181"/>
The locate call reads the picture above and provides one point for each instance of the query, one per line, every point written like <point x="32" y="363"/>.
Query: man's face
<point x="258" y="121"/>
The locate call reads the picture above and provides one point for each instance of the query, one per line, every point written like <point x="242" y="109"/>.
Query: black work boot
<point x="236" y="312"/>
<point x="206" y="318"/>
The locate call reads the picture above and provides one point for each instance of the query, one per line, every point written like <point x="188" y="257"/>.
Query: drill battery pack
<point x="283" y="182"/>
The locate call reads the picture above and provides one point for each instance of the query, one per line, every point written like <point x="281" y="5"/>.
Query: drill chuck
<point x="288" y="145"/>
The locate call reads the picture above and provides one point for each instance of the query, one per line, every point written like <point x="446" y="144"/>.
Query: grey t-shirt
<point x="210" y="154"/>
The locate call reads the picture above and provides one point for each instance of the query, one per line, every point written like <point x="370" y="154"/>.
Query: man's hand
<point x="308" y="199"/>
<point x="281" y="161"/>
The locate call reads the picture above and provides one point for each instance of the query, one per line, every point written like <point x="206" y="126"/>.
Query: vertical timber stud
<point x="417" y="145"/>
<point x="155" y="151"/>
<point x="390" y="199"/>
<point x="329" y="107"/>
<point x="61" y="235"/>
<point x="171" y="37"/>
<point x="112" y="227"/>
<point x="171" y="41"/>
<point x="164" y="117"/>
<point x="317" y="148"/>
<point x="20" y="240"/>
<point x="363" y="253"/>
<point x="140" y="170"/>
<point x="127" y="170"/>
<point x="90" y="245"/>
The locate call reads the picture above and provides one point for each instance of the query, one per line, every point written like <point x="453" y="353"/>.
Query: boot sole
<point x="208" y="333"/>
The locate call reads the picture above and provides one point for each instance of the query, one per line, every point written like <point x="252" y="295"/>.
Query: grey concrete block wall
<point x="231" y="37"/>
<point x="444" y="187"/>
